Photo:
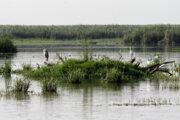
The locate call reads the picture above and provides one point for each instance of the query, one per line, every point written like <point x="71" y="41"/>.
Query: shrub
<point x="6" y="46"/>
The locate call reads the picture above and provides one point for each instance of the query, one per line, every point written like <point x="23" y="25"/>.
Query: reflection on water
<point x="93" y="102"/>
<point x="90" y="101"/>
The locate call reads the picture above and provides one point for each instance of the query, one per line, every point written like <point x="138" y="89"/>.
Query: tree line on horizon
<point x="128" y="34"/>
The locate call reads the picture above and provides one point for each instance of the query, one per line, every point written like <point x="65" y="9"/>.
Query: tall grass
<point x="87" y="49"/>
<point x="115" y="76"/>
<point x="27" y="67"/>
<point x="112" y="75"/>
<point x="75" y="76"/>
<point x="6" y="69"/>
<point x="21" y="85"/>
<point x="49" y="86"/>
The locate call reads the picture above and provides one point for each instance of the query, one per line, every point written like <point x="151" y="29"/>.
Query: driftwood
<point x="153" y="68"/>
<point x="161" y="70"/>
<point x="157" y="65"/>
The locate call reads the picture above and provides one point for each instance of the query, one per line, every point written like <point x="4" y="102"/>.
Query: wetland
<point x="143" y="99"/>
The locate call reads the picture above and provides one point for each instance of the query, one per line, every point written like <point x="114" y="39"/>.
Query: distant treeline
<point x="129" y="34"/>
<point x="155" y="35"/>
<point x="65" y="32"/>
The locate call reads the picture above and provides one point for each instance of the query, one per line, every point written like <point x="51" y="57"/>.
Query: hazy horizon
<point x="90" y="12"/>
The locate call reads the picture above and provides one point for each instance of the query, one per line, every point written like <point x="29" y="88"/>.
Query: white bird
<point x="156" y="57"/>
<point x="46" y="54"/>
<point x="148" y="62"/>
<point x="131" y="53"/>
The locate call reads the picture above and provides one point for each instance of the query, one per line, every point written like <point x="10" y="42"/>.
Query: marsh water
<point x="144" y="100"/>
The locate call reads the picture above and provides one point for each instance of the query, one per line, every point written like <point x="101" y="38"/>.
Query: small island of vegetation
<point x="104" y="70"/>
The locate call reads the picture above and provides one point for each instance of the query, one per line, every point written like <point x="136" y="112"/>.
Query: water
<point x="128" y="101"/>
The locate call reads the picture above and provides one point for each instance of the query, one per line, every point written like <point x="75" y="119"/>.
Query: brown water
<point x="144" y="100"/>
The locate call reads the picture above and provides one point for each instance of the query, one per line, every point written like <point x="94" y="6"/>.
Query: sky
<point x="72" y="12"/>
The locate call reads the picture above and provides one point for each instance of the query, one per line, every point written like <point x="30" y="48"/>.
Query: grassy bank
<point x="78" y="41"/>
<point x="78" y="71"/>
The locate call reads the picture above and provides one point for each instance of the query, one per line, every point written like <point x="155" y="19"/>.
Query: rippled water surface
<point x="144" y="100"/>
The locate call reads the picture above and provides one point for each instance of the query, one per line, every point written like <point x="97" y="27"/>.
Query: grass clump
<point x="75" y="76"/>
<point x="6" y="69"/>
<point x="21" y="85"/>
<point x="7" y="46"/>
<point x="27" y="67"/>
<point x="114" y="76"/>
<point x="49" y="86"/>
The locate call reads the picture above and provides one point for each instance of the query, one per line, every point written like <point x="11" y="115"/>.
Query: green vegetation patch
<point x="78" y="71"/>
<point x="176" y="49"/>
<point x="6" y="46"/>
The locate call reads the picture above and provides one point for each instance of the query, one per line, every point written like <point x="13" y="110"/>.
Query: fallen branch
<point x="152" y="67"/>
<point x="155" y="68"/>
<point x="166" y="71"/>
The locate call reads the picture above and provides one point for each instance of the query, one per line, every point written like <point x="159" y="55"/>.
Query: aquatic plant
<point x="27" y="67"/>
<point x="21" y="85"/>
<point x="75" y="76"/>
<point x="174" y="86"/>
<point x="7" y="46"/>
<point x="149" y="101"/>
<point x="176" y="67"/>
<point x="49" y="86"/>
<point x="6" y="69"/>
<point x="113" y="75"/>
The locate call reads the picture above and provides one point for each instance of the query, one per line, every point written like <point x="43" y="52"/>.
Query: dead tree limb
<point x="165" y="71"/>
<point x="152" y="67"/>
<point x="157" y="67"/>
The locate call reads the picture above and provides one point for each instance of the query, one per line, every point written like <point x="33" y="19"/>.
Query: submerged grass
<point x="21" y="85"/>
<point x="49" y="86"/>
<point x="6" y="69"/>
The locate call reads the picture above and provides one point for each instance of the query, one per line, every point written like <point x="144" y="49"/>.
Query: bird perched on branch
<point x="46" y="54"/>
